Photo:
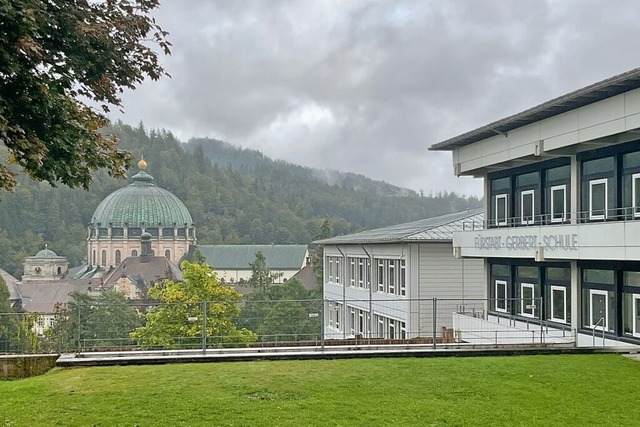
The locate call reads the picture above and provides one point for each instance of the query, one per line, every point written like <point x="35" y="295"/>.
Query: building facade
<point x="382" y="283"/>
<point x="561" y="245"/>
<point x="124" y="215"/>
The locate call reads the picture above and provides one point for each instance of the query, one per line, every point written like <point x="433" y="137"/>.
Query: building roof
<point x="307" y="277"/>
<point x="149" y="269"/>
<point x="46" y="253"/>
<point x="43" y="297"/>
<point x="141" y="203"/>
<point x="11" y="283"/>
<point x="593" y="93"/>
<point x="437" y="229"/>
<point x="238" y="257"/>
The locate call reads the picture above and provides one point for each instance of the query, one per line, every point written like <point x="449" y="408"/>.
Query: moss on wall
<point x="23" y="366"/>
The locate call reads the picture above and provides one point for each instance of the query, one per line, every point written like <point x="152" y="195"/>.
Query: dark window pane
<point x="562" y="173"/>
<point x="500" y="184"/>
<point x="558" y="297"/>
<point x="558" y="273"/>
<point x="631" y="160"/>
<point x="527" y="179"/>
<point x="598" y="276"/>
<point x="597" y="166"/>
<point x="499" y="270"/>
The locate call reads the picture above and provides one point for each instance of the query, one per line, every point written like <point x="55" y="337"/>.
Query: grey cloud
<point x="367" y="86"/>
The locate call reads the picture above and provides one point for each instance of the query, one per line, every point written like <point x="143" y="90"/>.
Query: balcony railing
<point x="581" y="217"/>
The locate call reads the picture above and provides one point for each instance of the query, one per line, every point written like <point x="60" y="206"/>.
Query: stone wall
<point x="26" y="365"/>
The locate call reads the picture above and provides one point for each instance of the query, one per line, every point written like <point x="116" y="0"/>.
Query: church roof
<point x="142" y="203"/>
<point x="46" y="253"/>
<point x="238" y="257"/>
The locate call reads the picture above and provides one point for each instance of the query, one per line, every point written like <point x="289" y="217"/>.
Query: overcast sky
<point x="368" y="86"/>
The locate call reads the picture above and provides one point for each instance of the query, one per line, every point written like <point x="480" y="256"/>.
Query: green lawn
<point x="576" y="390"/>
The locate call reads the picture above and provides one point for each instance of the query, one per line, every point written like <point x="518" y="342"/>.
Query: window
<point x="392" y="277"/>
<point x="330" y="269"/>
<point x="367" y="280"/>
<point x="118" y="257"/>
<point x="527" y="299"/>
<point x="167" y="254"/>
<point x="598" y="309"/>
<point x="352" y="323"/>
<point x="403" y="278"/>
<point x="559" y="203"/>
<point x="501" y="295"/>
<point x="93" y="257"/>
<point x="598" y="199"/>
<point x="337" y="275"/>
<point x="352" y="278"/>
<point x="134" y="253"/>
<point x="526" y="207"/>
<point x="360" y="273"/>
<point x="381" y="331"/>
<point x="559" y="304"/>
<point x="361" y="322"/>
<point x="104" y="257"/>
<point x="392" y="329"/>
<point x="380" y="276"/>
<point x="635" y="193"/>
<point x="501" y="210"/>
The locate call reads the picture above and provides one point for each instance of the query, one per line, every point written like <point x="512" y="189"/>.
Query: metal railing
<point x="431" y="322"/>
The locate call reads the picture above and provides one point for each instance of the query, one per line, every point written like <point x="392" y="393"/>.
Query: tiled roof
<point x="150" y="270"/>
<point x="42" y="297"/>
<point x="439" y="228"/>
<point x="238" y="257"/>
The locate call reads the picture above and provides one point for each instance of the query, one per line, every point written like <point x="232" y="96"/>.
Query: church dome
<point x="46" y="253"/>
<point x="141" y="204"/>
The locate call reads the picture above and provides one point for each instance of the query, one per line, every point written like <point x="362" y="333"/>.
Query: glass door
<point x="527" y="300"/>
<point x="599" y="308"/>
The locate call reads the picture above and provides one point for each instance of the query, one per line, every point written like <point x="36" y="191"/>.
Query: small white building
<point x="382" y="283"/>
<point x="561" y="249"/>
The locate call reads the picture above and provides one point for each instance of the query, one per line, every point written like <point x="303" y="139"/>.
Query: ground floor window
<point x="598" y="299"/>
<point x="558" y="302"/>
<point x="631" y="314"/>
<point x="501" y="295"/>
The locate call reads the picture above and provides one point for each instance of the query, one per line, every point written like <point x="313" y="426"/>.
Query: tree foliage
<point x="54" y="57"/>
<point x="281" y="313"/>
<point x="105" y="320"/>
<point x="179" y="317"/>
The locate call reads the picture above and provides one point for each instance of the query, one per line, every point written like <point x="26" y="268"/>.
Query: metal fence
<point x="313" y="323"/>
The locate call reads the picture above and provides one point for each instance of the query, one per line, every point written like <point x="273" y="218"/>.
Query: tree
<point x="261" y="277"/>
<point x="7" y="318"/>
<point x="56" y="56"/>
<point x="180" y="314"/>
<point x="105" y="320"/>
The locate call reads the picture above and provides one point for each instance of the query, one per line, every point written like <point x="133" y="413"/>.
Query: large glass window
<point x="500" y="189"/>
<point x="528" y="290"/>
<point x="526" y="186"/>
<point x="631" y="303"/>
<point x="598" y="188"/>
<point x="557" y="193"/>
<point x="598" y="299"/>
<point x="558" y="294"/>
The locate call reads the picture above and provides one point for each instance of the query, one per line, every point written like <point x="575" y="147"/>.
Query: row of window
<point x="610" y="299"/>
<point x="391" y="274"/>
<point x="359" y="323"/>
<point x="539" y="194"/>
<point x="118" y="256"/>
<point x="137" y="231"/>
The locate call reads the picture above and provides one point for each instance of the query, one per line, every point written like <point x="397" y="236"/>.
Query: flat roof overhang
<point x="604" y="89"/>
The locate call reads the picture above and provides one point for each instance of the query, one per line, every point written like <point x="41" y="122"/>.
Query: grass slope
<point x="506" y="391"/>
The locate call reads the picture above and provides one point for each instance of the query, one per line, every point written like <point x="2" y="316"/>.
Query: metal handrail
<point x="594" y="331"/>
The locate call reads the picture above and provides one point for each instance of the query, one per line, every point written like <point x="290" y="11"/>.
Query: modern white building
<point x="561" y="246"/>
<point x="382" y="283"/>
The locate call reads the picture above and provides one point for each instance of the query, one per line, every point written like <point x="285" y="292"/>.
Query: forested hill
<point x="254" y="163"/>
<point x="265" y="201"/>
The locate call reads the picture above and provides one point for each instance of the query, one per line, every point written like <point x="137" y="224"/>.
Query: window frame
<point x="605" y="325"/>
<point x="532" y="220"/>
<point x="505" y="197"/>
<point x="593" y="183"/>
<point x="504" y="283"/>
<point x="634" y="188"/>
<point x="554" y="288"/>
<point x="554" y="188"/>
<point x="524" y="311"/>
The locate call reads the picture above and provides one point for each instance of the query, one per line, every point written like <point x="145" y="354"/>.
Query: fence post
<point x="435" y="309"/>
<point x="322" y="314"/>
<point x="204" y="327"/>
<point x="78" y="349"/>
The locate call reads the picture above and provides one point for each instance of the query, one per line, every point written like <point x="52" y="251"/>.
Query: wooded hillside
<point x="246" y="198"/>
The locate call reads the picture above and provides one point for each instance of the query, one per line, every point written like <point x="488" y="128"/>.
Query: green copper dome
<point x="141" y="203"/>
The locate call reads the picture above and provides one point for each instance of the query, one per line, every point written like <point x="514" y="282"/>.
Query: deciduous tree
<point x="63" y="65"/>
<point x="180" y="314"/>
